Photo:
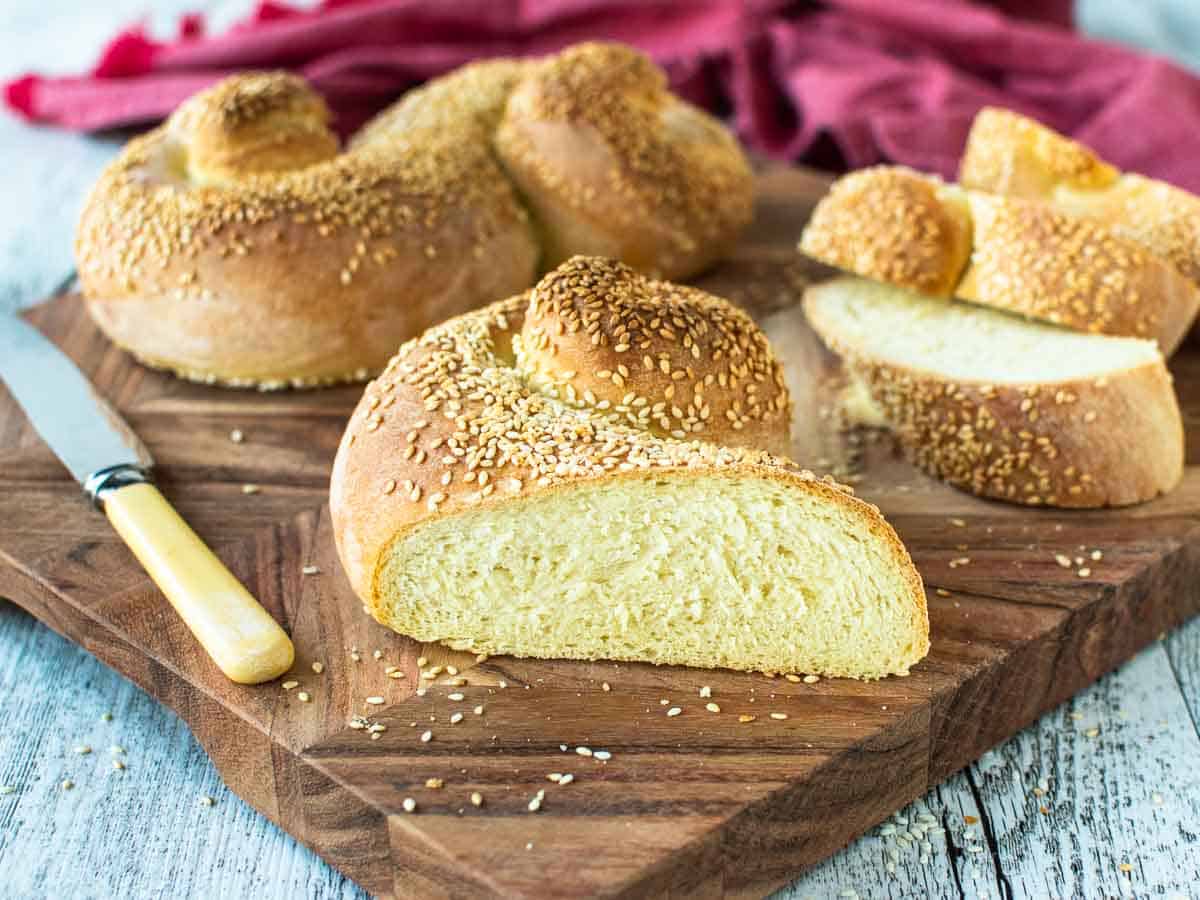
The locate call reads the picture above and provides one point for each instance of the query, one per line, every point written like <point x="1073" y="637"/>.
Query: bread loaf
<point x="1007" y="153"/>
<point x="575" y="472"/>
<point x="1004" y="407"/>
<point x="913" y="231"/>
<point x="238" y="245"/>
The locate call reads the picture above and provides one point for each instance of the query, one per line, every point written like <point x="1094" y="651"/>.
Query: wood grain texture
<point x="696" y="805"/>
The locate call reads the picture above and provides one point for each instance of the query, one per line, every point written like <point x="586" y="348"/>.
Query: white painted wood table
<point x="1101" y="798"/>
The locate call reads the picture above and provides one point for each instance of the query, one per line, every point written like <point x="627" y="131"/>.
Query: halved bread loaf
<point x="913" y="231"/>
<point x="1008" y="153"/>
<point x="1005" y="407"/>
<point x="479" y="503"/>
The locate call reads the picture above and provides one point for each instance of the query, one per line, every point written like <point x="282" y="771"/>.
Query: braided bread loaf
<point x="578" y="472"/>
<point x="237" y="244"/>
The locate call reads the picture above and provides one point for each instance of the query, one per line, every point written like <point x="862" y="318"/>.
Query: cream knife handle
<point x="240" y="636"/>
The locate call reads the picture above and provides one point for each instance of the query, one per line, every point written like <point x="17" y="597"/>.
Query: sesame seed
<point x="310" y="570"/>
<point x="746" y="718"/>
<point x="673" y="711"/>
<point x="83" y="749"/>
<point x="303" y="696"/>
<point x="1084" y="572"/>
<point x="584" y="751"/>
<point x="942" y="592"/>
<point x="712" y="707"/>
<point x="811" y="679"/>
<point x="318" y="667"/>
<point x="1063" y="560"/>
<point x="67" y="784"/>
<point x="409" y="805"/>
<point x="705" y="692"/>
<point x="375" y="701"/>
<point x="250" y="488"/>
<point x="207" y="801"/>
<point x="536" y="803"/>
<point x="478" y="710"/>
<point x="779" y="715"/>
<point x="288" y="685"/>
<point x="426" y="737"/>
<point x="237" y="436"/>
<point x="602" y="755"/>
<point x="422" y="662"/>
<point x="605" y="686"/>
<point x="456" y="718"/>
<point x="434" y="783"/>
<point x="476" y="798"/>
<point x="455" y="696"/>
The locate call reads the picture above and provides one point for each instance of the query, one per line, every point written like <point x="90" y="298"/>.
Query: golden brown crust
<point x="893" y="224"/>
<point x="261" y="122"/>
<point x="910" y="230"/>
<point x="189" y="276"/>
<point x="1007" y="153"/>
<point x="1031" y="259"/>
<point x="660" y="356"/>
<point x="613" y="164"/>
<point x="473" y="97"/>
<point x="235" y="245"/>
<point x="454" y="425"/>
<point x="1065" y="443"/>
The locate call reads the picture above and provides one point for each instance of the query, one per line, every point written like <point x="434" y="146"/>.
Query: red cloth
<point x="842" y="83"/>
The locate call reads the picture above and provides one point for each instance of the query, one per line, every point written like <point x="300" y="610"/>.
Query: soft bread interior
<point x="965" y="342"/>
<point x="742" y="572"/>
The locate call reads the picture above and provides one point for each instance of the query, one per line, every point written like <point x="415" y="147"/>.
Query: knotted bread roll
<point x="578" y="472"/>
<point x="237" y="244"/>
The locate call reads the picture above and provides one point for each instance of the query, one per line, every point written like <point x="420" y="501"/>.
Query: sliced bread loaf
<point x="479" y="504"/>
<point x="1008" y="153"/>
<point x="913" y="231"/>
<point x="1005" y="407"/>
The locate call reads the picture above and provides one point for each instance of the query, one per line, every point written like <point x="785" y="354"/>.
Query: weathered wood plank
<point x="132" y="833"/>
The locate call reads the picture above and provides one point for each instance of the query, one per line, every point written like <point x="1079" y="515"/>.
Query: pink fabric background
<point x="843" y="83"/>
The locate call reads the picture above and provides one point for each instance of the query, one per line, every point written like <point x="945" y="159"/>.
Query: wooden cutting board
<point x="699" y="804"/>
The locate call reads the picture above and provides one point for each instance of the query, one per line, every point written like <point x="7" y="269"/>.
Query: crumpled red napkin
<point x="843" y="83"/>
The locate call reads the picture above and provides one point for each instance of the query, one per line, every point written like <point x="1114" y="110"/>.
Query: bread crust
<point x="893" y="224"/>
<point x="1063" y="443"/>
<point x="1007" y="153"/>
<point x="1023" y="256"/>
<point x="453" y="426"/>
<point x="235" y="244"/>
<point x="612" y="164"/>
<point x="1033" y="260"/>
<point x="663" y="357"/>
<point x="297" y="277"/>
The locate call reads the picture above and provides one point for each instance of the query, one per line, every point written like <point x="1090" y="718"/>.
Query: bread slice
<point x="1008" y="153"/>
<point x="913" y="231"/>
<point x="478" y="506"/>
<point x="1004" y="407"/>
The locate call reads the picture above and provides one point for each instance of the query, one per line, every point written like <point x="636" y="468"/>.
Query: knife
<point x="112" y="464"/>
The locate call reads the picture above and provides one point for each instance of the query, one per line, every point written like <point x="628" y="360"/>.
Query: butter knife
<point x="114" y="468"/>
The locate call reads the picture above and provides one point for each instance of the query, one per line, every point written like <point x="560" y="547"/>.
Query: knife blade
<point x="106" y="457"/>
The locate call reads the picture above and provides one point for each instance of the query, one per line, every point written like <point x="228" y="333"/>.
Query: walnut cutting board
<point x="698" y="804"/>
